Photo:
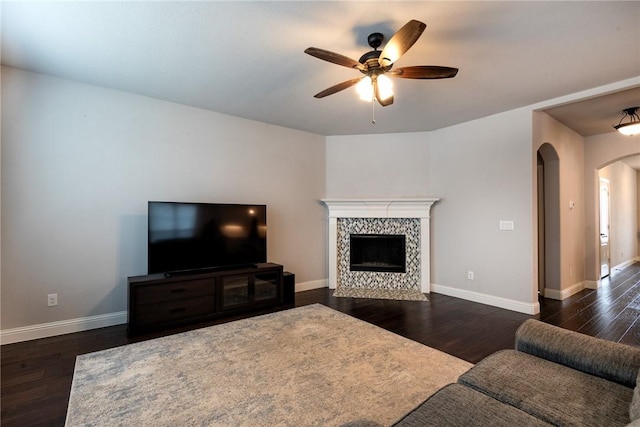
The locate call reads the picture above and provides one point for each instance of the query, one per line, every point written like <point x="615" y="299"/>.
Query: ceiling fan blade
<point x="424" y="72"/>
<point x="401" y="42"/>
<point x="334" y="58"/>
<point x="383" y="102"/>
<point x="337" y="88"/>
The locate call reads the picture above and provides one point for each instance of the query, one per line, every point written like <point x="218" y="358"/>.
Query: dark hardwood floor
<point x="36" y="375"/>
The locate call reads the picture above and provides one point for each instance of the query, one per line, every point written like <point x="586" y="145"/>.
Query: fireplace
<point x="377" y="252"/>
<point x="377" y="272"/>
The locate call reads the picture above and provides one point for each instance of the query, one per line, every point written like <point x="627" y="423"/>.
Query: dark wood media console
<point x="160" y="302"/>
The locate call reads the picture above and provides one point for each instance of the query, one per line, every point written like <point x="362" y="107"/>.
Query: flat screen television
<point x="186" y="237"/>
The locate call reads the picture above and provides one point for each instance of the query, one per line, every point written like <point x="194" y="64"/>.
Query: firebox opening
<point x="378" y="252"/>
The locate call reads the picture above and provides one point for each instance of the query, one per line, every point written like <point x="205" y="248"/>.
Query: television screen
<point x="192" y="236"/>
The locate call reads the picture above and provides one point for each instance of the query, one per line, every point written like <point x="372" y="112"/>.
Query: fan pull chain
<point x="373" y="110"/>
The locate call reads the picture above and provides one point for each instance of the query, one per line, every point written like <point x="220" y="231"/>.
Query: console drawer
<point x="152" y="314"/>
<point x="166" y="292"/>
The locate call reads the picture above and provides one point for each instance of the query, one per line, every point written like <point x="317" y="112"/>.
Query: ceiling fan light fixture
<point x="632" y="127"/>
<point x="365" y="89"/>
<point x="385" y="87"/>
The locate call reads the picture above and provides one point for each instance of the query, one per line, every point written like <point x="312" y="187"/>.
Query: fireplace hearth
<point x="377" y="253"/>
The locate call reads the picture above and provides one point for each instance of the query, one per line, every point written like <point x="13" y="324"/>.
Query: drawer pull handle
<point x="178" y="310"/>
<point x="177" y="291"/>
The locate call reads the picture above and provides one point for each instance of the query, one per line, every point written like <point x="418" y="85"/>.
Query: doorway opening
<point x="605" y="227"/>
<point x="548" y="177"/>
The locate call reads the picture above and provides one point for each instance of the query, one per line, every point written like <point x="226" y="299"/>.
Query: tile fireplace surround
<point x="409" y="217"/>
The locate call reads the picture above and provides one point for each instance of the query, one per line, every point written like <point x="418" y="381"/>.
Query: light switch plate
<point x="506" y="225"/>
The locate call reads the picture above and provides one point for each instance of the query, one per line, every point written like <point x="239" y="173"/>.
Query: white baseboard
<point x="564" y="293"/>
<point x="32" y="332"/>
<point x="623" y="264"/>
<point x="592" y="284"/>
<point x="508" y="304"/>
<point x="313" y="284"/>
<point x="44" y="330"/>
<point x="597" y="284"/>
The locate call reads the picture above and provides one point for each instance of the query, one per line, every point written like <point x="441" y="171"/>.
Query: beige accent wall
<point x="638" y="213"/>
<point x="569" y="147"/>
<point x="623" y="242"/>
<point x="600" y="151"/>
<point x="0" y="191"/>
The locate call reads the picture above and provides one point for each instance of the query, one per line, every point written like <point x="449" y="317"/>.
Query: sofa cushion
<point x="550" y="391"/>
<point x="607" y="359"/>
<point x="456" y="405"/>
<point x="634" y="409"/>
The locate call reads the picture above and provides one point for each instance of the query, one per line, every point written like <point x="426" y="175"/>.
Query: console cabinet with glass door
<point x="240" y="290"/>
<point x="158" y="302"/>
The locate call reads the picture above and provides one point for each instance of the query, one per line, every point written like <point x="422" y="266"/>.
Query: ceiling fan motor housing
<point x="374" y="54"/>
<point x="371" y="59"/>
<point x="375" y="40"/>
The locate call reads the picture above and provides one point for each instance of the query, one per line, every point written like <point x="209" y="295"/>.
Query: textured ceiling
<point x="246" y="58"/>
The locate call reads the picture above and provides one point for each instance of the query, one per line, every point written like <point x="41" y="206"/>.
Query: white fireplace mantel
<point x="381" y="208"/>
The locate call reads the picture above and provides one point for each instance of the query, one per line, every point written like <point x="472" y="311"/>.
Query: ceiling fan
<point x="376" y="65"/>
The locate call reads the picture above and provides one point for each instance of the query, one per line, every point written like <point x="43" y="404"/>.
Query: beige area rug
<point x="308" y="366"/>
<point x="396" y="294"/>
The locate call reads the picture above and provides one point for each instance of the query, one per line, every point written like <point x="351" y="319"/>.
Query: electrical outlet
<point x="52" y="300"/>
<point x="470" y="275"/>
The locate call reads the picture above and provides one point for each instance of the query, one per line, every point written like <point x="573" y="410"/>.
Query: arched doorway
<point x="605" y="227"/>
<point x="617" y="210"/>
<point x="548" y="176"/>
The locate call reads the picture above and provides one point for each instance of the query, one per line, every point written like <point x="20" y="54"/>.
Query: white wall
<point x="482" y="172"/>
<point x="624" y="210"/>
<point x="79" y="164"/>
<point x="378" y="165"/>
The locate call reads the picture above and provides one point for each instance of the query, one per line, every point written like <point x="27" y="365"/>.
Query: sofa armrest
<point x="606" y="359"/>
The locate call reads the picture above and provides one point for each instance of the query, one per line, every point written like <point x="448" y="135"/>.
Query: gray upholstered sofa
<point x="553" y="377"/>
